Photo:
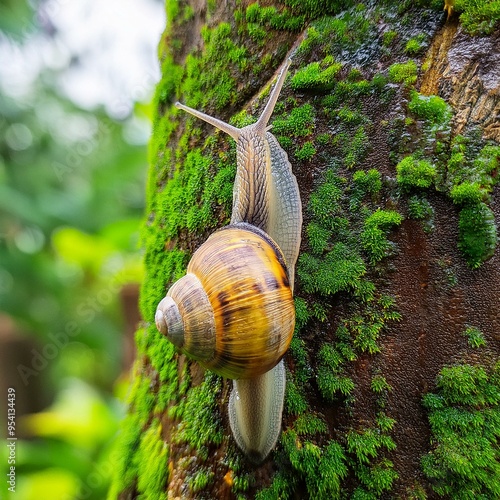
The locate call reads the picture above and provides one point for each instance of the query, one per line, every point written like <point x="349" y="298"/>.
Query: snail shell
<point x="233" y="312"/>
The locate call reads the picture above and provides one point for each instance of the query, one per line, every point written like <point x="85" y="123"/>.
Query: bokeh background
<point x="76" y="78"/>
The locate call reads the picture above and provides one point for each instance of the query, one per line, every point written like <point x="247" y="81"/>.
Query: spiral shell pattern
<point x="243" y="276"/>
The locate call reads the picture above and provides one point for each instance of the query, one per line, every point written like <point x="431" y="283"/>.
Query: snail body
<point x="239" y="285"/>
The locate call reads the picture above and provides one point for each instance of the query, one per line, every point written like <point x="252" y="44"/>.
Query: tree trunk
<point x="390" y="120"/>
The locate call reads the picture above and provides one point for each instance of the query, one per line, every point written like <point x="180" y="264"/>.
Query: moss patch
<point x="200" y="427"/>
<point x="479" y="18"/>
<point x="464" y="167"/>
<point x="464" y="415"/>
<point x="414" y="173"/>
<point x="475" y="337"/>
<point x="152" y="459"/>
<point x="316" y="76"/>
<point x="403" y="72"/>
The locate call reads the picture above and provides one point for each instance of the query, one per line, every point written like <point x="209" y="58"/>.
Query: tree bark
<point x="391" y="287"/>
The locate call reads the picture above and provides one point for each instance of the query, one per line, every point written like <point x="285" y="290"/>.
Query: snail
<point x="233" y="311"/>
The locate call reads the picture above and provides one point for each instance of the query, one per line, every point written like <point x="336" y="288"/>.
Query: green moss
<point x="385" y="423"/>
<point x="469" y="385"/>
<point x="374" y="235"/>
<point x="376" y="480"/>
<point x="468" y="193"/>
<point x="310" y="41"/>
<point x="379" y="384"/>
<point x="420" y="208"/>
<point x="364" y="184"/>
<point x="207" y="80"/>
<point x="341" y="103"/>
<point x="313" y="8"/>
<point x="415" y="492"/>
<point x="309" y="424"/>
<point x="323" y="139"/>
<point x="403" y="72"/>
<point x="432" y="108"/>
<point x="332" y="385"/>
<point x="477" y="234"/>
<point x="339" y="269"/>
<point x="415" y="173"/>
<point x="169" y="393"/>
<point x="321" y="469"/>
<point x="306" y="152"/>
<point x="126" y="446"/>
<point x="295" y="401"/>
<point x="478" y="171"/>
<point x="487" y="162"/>
<point x="466" y="171"/>
<point x="318" y="236"/>
<point x="280" y="489"/>
<point x="357" y="333"/>
<point x="152" y="459"/>
<point x="416" y="44"/>
<point x="315" y="76"/>
<point x="166" y="87"/>
<point x="369" y="182"/>
<point x="301" y="313"/>
<point x="464" y="415"/>
<point x="388" y="37"/>
<point x="335" y="265"/>
<point x="172" y="9"/>
<point x="201" y="479"/>
<point x="365" y="327"/>
<point x="269" y="17"/>
<point x="200" y="427"/>
<point x="298" y="350"/>
<point x="356" y="148"/>
<point x="324" y="202"/>
<point x="330" y="357"/>
<point x="331" y="381"/>
<point x="376" y="475"/>
<point x="343" y="34"/>
<point x="141" y="397"/>
<point x="349" y="116"/>
<point x="479" y="18"/>
<point x="475" y="337"/>
<point x="257" y="33"/>
<point x="299" y="122"/>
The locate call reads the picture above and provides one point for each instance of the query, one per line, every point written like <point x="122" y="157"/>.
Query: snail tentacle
<point x="234" y="132"/>
<point x="261" y="124"/>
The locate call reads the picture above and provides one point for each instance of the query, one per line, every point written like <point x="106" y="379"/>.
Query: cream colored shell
<point x="235" y="304"/>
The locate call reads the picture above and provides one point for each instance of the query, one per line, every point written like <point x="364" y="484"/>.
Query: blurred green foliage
<point x="71" y="205"/>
